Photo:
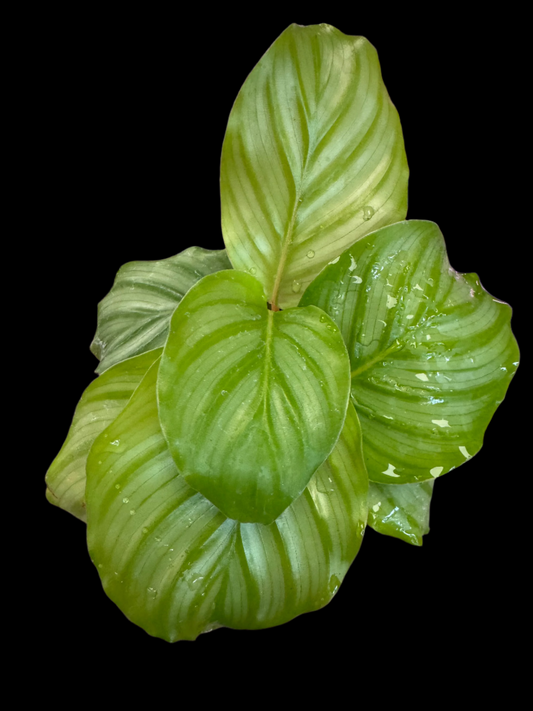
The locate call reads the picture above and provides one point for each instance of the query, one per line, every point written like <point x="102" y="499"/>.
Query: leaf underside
<point x="400" y="510"/>
<point x="251" y="401"/>
<point x="432" y="353"/>
<point x="134" y="317"/>
<point x="313" y="159"/>
<point x="100" y="404"/>
<point x="176" y="566"/>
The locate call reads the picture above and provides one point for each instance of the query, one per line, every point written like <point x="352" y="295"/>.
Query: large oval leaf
<point x="400" y="510"/>
<point x="313" y="159"/>
<point x="176" y="566"/>
<point x="251" y="401"/>
<point x="432" y="353"/>
<point x="100" y="404"/>
<point x="134" y="317"/>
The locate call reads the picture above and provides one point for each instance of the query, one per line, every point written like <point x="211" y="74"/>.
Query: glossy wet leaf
<point x="400" y="510"/>
<point x="251" y="401"/>
<point x="176" y="566"/>
<point x="134" y="317"/>
<point x="100" y="404"/>
<point x="313" y="159"/>
<point x="432" y="353"/>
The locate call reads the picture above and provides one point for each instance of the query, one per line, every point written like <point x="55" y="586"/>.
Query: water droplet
<point x="152" y="591"/>
<point x="325" y="487"/>
<point x="156" y="538"/>
<point x="253" y="270"/>
<point x="132" y="511"/>
<point x="334" y="583"/>
<point x="310" y="254"/>
<point x="465" y="452"/>
<point x="368" y="212"/>
<point x="441" y="423"/>
<point x="117" y="486"/>
<point x="296" y="286"/>
<point x="115" y="442"/>
<point x="100" y="565"/>
<point x="125" y="500"/>
<point x="193" y="579"/>
<point x="323" y="319"/>
<point x="223" y="392"/>
<point x="390" y="471"/>
<point x="145" y="530"/>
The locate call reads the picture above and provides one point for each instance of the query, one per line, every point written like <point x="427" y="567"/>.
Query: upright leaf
<point x="100" y="404"/>
<point x="176" y="566"/>
<point x="313" y="159"/>
<point x="133" y="318"/>
<point x="432" y="352"/>
<point x="251" y="401"/>
<point x="400" y="510"/>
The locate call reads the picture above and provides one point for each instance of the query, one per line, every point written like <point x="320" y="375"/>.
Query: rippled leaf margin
<point x="100" y="404"/>
<point x="432" y="353"/>
<point x="134" y="317"/>
<point x="176" y="566"/>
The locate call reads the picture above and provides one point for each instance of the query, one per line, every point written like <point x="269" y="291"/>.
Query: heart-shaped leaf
<point x="251" y="401"/>
<point x="400" y="510"/>
<point x="134" y="317"/>
<point x="176" y="566"/>
<point x="313" y="159"/>
<point x="432" y="352"/>
<point x="100" y="404"/>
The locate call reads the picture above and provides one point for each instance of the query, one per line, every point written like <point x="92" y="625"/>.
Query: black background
<point x="129" y="114"/>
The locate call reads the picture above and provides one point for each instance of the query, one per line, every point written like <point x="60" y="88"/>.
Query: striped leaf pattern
<point x="401" y="510"/>
<point x="251" y="401"/>
<point x="176" y="566"/>
<point x="134" y="317"/>
<point x="100" y="404"/>
<point x="432" y="353"/>
<point x="313" y="159"/>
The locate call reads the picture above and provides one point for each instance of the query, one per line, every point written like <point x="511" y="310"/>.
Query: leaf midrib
<point x="380" y="356"/>
<point x="396" y="346"/>
<point x="268" y="356"/>
<point x="287" y="240"/>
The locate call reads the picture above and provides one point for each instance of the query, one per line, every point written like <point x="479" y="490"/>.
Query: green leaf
<point x="100" y="404"/>
<point x="432" y="352"/>
<point x="400" y="511"/>
<point x="313" y="159"/>
<point x="176" y="566"/>
<point x="134" y="317"/>
<point x="251" y="401"/>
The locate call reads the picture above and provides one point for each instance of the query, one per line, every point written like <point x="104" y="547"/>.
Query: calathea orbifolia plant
<point x="256" y="407"/>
